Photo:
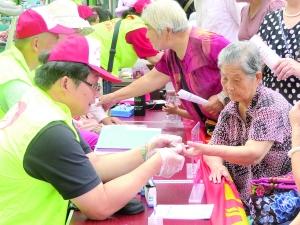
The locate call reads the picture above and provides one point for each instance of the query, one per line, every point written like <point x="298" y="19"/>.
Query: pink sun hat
<point x="39" y="20"/>
<point x="81" y="49"/>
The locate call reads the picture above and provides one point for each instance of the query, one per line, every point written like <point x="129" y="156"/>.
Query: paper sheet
<point x="268" y="56"/>
<point x="125" y="136"/>
<point x="183" y="94"/>
<point x="186" y="212"/>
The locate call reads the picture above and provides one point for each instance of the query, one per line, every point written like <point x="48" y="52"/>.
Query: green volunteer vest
<point x="24" y="199"/>
<point x="1" y="114"/>
<point x="125" y="56"/>
<point x="14" y="66"/>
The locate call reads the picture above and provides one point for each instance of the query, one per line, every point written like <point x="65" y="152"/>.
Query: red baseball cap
<point x="85" y="11"/>
<point x="81" y="49"/>
<point x="140" y="5"/>
<point x="39" y="20"/>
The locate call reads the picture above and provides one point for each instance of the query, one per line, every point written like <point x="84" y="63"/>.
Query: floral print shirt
<point x="267" y="119"/>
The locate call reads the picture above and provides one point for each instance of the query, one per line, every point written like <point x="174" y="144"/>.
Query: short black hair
<point x="51" y="71"/>
<point x="103" y="14"/>
<point x="130" y="11"/>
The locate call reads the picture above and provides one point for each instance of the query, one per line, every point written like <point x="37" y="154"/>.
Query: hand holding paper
<point x="183" y="94"/>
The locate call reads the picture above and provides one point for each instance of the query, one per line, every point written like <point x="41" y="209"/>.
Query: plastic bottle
<point x="140" y="106"/>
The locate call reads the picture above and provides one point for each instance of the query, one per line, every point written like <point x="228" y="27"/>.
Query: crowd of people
<point x="51" y="109"/>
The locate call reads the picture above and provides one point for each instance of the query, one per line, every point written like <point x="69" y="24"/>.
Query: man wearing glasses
<point x="48" y="163"/>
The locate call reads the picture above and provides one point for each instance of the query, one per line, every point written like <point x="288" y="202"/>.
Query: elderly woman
<point x="190" y="56"/>
<point x="253" y="133"/>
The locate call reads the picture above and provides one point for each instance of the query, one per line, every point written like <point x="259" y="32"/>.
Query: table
<point x="167" y="193"/>
<point x="155" y="119"/>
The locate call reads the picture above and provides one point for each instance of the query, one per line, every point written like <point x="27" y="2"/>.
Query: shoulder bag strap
<point x="185" y="87"/>
<point x="187" y="5"/>
<point x="112" y="51"/>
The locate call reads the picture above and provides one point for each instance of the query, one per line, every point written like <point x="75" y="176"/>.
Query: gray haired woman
<point x="253" y="133"/>
<point x="190" y="57"/>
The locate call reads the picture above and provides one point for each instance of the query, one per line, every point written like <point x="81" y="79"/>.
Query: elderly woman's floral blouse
<point x="267" y="119"/>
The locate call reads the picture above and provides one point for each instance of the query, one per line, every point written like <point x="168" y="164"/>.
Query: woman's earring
<point x="168" y="37"/>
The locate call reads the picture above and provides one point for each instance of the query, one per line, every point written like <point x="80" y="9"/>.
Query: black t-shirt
<point x="55" y="156"/>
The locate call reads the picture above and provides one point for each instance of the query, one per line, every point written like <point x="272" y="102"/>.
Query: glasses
<point x="95" y="87"/>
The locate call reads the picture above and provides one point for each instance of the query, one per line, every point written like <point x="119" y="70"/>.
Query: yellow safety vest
<point x="125" y="56"/>
<point x="26" y="200"/>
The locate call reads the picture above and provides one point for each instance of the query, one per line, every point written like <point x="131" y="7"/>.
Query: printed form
<point x="185" y="212"/>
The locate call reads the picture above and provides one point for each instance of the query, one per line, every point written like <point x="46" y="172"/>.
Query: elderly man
<point x="36" y="32"/>
<point x="48" y="163"/>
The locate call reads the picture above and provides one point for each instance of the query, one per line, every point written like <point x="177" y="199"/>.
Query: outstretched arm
<point x="150" y="82"/>
<point x="124" y="174"/>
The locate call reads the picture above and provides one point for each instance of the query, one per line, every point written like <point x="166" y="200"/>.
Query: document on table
<point x="125" y="136"/>
<point x="183" y="94"/>
<point x="185" y="212"/>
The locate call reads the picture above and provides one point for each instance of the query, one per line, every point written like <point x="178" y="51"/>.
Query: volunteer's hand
<point x="164" y="141"/>
<point x="213" y="107"/>
<point x="170" y="108"/>
<point x="171" y="162"/>
<point x="285" y="68"/>
<point x="111" y="120"/>
<point x="107" y="101"/>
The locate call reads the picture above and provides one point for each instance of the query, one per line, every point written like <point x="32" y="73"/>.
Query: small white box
<point x="150" y="193"/>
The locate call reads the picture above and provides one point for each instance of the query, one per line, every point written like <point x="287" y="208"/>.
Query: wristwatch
<point x="144" y="151"/>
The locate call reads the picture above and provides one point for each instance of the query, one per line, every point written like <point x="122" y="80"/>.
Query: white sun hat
<point x="66" y="13"/>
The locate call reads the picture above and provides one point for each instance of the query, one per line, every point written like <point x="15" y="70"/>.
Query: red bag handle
<point x="275" y="185"/>
<point x="274" y="180"/>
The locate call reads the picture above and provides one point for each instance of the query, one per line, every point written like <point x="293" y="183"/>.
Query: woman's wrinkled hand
<point x="217" y="172"/>
<point x="213" y="107"/>
<point x="194" y="149"/>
